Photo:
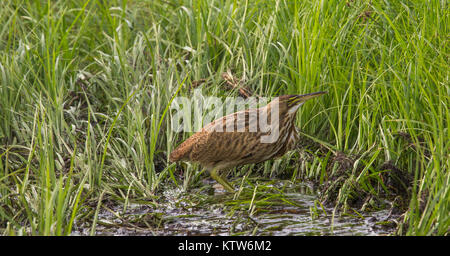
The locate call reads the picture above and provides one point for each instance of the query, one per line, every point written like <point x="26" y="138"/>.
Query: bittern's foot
<point x="222" y="181"/>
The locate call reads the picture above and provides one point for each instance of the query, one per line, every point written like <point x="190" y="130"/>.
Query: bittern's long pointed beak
<point x="302" y="98"/>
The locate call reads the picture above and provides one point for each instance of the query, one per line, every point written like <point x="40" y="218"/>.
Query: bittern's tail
<point x="177" y="155"/>
<point x="183" y="151"/>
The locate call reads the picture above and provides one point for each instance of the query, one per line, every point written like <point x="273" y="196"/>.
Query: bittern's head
<point x="290" y="103"/>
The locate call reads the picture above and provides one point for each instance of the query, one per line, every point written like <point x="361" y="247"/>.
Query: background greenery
<point x="85" y="87"/>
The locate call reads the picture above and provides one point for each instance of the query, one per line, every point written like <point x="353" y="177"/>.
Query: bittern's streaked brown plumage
<point x="215" y="148"/>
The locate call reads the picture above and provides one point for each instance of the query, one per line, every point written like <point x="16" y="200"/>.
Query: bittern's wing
<point x="199" y="145"/>
<point x="228" y="141"/>
<point x="215" y="137"/>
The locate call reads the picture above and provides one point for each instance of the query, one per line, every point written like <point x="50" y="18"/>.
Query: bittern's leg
<point x="222" y="181"/>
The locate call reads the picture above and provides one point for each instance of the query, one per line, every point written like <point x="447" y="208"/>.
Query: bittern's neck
<point x="294" y="109"/>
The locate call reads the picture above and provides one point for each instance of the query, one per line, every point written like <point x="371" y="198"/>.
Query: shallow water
<point x="292" y="210"/>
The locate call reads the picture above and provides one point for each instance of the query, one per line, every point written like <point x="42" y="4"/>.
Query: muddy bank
<point x="275" y="208"/>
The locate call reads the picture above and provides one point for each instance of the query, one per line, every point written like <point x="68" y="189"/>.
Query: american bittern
<point x="216" y="148"/>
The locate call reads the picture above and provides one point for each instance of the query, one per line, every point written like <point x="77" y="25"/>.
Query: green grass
<point x="85" y="88"/>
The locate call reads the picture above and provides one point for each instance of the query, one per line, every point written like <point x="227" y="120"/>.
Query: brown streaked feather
<point x="185" y="149"/>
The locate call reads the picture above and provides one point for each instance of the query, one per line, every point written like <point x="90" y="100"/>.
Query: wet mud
<point x="280" y="208"/>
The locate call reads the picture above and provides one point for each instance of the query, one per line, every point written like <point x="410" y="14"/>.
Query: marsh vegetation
<point x="86" y="87"/>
